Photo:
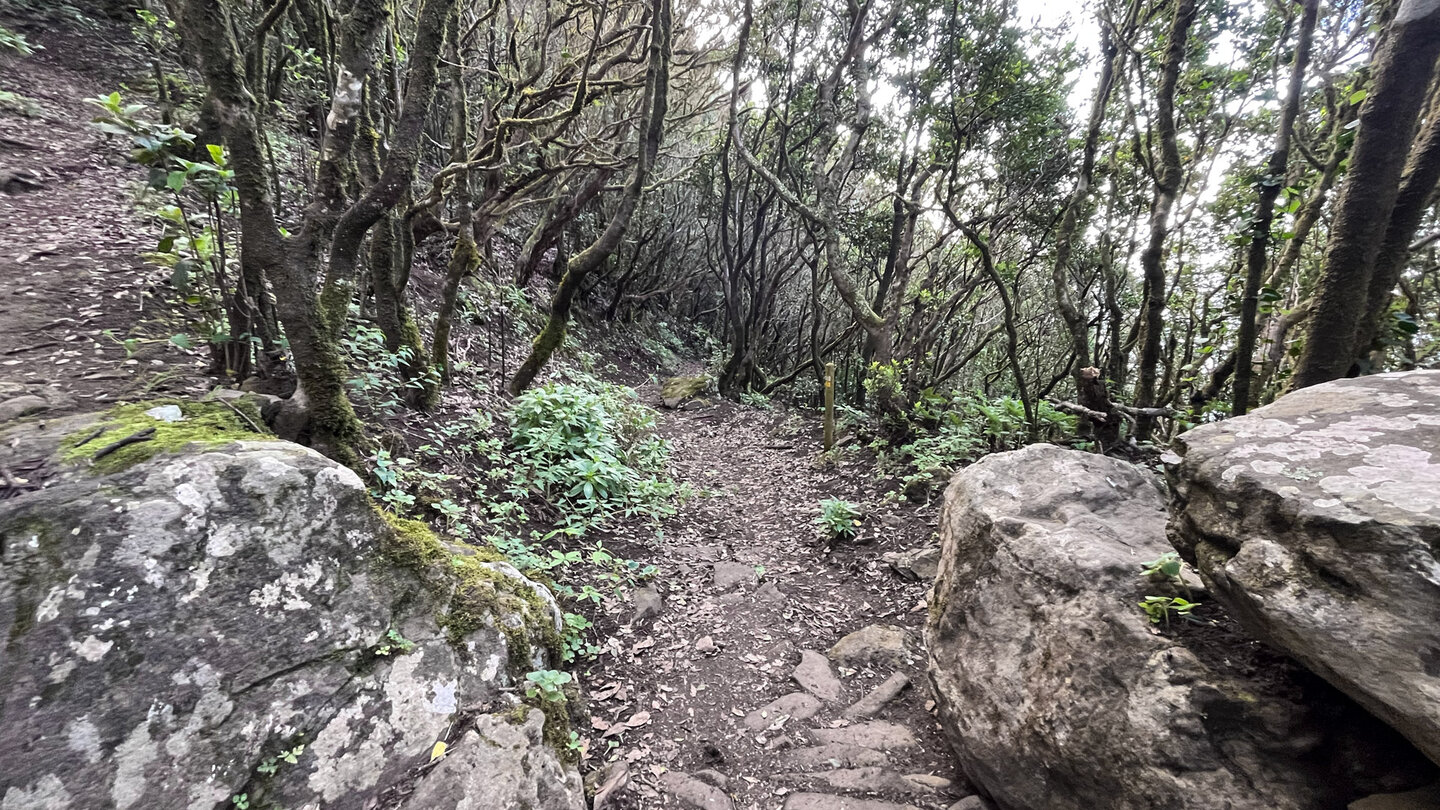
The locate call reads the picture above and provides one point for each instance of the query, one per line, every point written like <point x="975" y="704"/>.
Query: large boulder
<point x="1058" y="693"/>
<point x="1316" y="520"/>
<point x="207" y="618"/>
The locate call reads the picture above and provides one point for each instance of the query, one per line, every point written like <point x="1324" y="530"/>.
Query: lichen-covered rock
<point x="1058" y="694"/>
<point x="175" y="628"/>
<point x="501" y="762"/>
<point x="678" y="389"/>
<point x="1316" y="520"/>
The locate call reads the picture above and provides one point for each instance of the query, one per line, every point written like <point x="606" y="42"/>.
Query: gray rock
<point x="713" y="777"/>
<point x="769" y="594"/>
<point x="917" y="564"/>
<point x="1315" y="521"/>
<point x="1055" y="690"/>
<point x="870" y="779"/>
<point x="172" y="626"/>
<point x="824" y="801"/>
<point x="695" y="793"/>
<point x="648" y="603"/>
<point x="1426" y="798"/>
<point x="833" y="755"/>
<point x="872" y="703"/>
<point x="796" y="706"/>
<point x="676" y="390"/>
<point x="874" y="734"/>
<point x="731" y="575"/>
<point x="814" y="675"/>
<point x="500" y="764"/>
<point x="930" y="782"/>
<point x="973" y="803"/>
<point x="16" y="407"/>
<point x="873" y="646"/>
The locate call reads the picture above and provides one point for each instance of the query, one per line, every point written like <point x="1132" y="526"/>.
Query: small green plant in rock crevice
<point x="1159" y="608"/>
<point x="839" y="519"/>
<point x="547" y="684"/>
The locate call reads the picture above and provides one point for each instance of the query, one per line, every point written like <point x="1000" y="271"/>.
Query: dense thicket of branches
<point x="1172" y="209"/>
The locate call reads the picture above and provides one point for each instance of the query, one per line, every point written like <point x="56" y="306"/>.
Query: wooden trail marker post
<point x="829" y="406"/>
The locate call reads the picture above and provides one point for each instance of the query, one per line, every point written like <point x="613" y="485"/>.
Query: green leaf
<point x="176" y="181"/>
<point x="182" y="340"/>
<point x="217" y="153"/>
<point x="1358" y="96"/>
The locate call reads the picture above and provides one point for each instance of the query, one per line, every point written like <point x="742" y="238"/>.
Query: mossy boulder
<point x="676" y="390"/>
<point x="178" y="613"/>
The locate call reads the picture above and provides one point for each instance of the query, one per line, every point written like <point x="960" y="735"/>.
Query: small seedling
<point x="547" y="684"/>
<point x="394" y="642"/>
<point x="1159" y="608"/>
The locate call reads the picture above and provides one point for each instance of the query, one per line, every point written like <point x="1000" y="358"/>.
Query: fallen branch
<point x="134" y="438"/>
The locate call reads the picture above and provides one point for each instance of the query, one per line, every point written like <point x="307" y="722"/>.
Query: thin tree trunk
<point x="1168" y="176"/>
<point x="651" y="131"/>
<point x="1259" y="247"/>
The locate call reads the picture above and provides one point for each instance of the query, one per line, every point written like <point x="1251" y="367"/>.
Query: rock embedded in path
<point x="1316" y="521"/>
<point x="878" y="645"/>
<point x="870" y="779"/>
<point x="676" y="390"/>
<point x="823" y="801"/>
<point x="814" y="675"/>
<point x="17" y="407"/>
<point x="874" y="734"/>
<point x="916" y="564"/>
<point x="872" y="703"/>
<point x="1056" y="691"/>
<point x="695" y="793"/>
<point x="833" y="755"/>
<point x="648" y="603"/>
<point x="728" y="576"/>
<point x="501" y="764"/>
<point x="796" y="706"/>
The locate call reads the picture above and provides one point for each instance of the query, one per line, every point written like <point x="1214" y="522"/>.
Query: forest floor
<point x="731" y="691"/>
<point x="721" y="689"/>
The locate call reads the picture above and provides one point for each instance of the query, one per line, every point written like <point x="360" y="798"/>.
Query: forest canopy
<point x="1148" y="214"/>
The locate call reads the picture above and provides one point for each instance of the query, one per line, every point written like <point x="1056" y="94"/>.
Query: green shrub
<point x="838" y="519"/>
<point x="593" y="452"/>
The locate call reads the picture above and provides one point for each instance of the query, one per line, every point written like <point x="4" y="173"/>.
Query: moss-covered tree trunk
<point x="651" y="132"/>
<point x="333" y="428"/>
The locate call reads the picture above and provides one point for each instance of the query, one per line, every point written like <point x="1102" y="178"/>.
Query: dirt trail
<point x="728" y="640"/>
<point x="71" y="239"/>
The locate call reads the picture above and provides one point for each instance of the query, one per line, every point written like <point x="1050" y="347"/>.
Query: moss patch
<point x="205" y="424"/>
<point x="475" y="594"/>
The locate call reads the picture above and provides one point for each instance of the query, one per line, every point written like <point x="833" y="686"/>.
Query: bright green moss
<point x="475" y="594"/>
<point x="205" y="424"/>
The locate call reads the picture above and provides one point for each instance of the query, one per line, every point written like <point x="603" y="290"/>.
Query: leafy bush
<point x="838" y="518"/>
<point x="10" y="40"/>
<point x="594" y="452"/>
<point x="969" y="426"/>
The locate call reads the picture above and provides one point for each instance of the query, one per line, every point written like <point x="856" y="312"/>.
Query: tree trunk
<point x="1168" y="176"/>
<point x="1402" y="69"/>
<point x="1417" y="192"/>
<point x="1259" y="247"/>
<point x="651" y="131"/>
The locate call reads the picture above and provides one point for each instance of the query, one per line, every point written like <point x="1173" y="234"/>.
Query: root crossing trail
<point x="734" y="694"/>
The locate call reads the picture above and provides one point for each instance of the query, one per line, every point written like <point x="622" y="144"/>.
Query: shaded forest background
<point x="974" y="216"/>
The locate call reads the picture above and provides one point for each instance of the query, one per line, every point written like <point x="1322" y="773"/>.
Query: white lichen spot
<point x="492" y="668"/>
<point x="131" y="757"/>
<point x="1231" y="473"/>
<point x="91" y="649"/>
<point x="1396" y="474"/>
<point x="443" y="701"/>
<point x="82" y="737"/>
<point x="201" y="581"/>
<point x="48" y="793"/>
<point x="1268" y="467"/>
<point x="50" y="606"/>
